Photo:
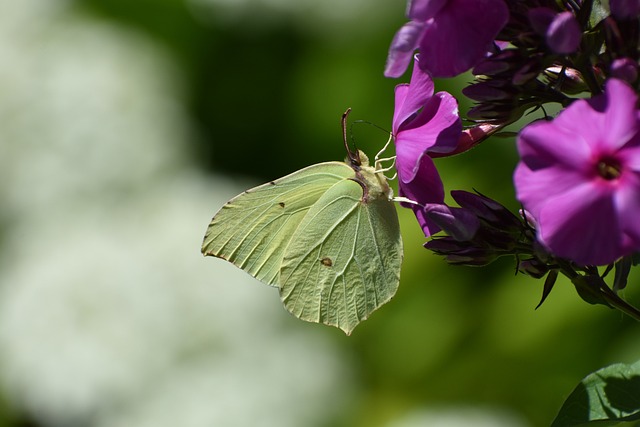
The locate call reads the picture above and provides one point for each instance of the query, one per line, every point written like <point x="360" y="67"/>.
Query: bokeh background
<point x="125" y="125"/>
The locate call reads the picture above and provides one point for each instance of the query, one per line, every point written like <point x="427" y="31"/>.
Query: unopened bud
<point x="533" y="267"/>
<point x="624" y="69"/>
<point x="564" y="34"/>
<point x="492" y="90"/>
<point x="625" y="9"/>
<point x="487" y="209"/>
<point x="568" y="80"/>
<point x="458" y="223"/>
<point x="497" y="63"/>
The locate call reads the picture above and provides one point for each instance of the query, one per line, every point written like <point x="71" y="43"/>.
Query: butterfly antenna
<point x="354" y="157"/>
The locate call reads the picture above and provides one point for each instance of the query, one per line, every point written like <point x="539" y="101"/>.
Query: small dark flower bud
<point x="526" y="72"/>
<point x="471" y="137"/>
<point x="487" y="209"/>
<point x="564" y="34"/>
<point x="458" y="223"/>
<point x="528" y="218"/>
<point x="540" y="18"/>
<point x="478" y="258"/>
<point x="568" y="80"/>
<point x="493" y="90"/>
<point x="442" y="245"/>
<point x="461" y="253"/>
<point x="497" y="63"/>
<point x="625" y="69"/>
<point x="625" y="9"/>
<point x="533" y="267"/>
<point x="496" y="112"/>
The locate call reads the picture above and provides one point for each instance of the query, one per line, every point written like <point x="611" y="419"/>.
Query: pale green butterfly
<point x="327" y="236"/>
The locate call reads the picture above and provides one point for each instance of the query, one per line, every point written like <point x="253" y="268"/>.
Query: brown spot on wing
<point x="326" y="261"/>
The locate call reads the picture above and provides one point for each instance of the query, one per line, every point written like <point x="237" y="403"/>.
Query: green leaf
<point x="623" y="268"/>
<point x="588" y="288"/>
<point x="598" y="13"/>
<point x="605" y="397"/>
<point x="548" y="286"/>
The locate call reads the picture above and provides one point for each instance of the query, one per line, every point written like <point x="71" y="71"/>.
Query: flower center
<point x="609" y="168"/>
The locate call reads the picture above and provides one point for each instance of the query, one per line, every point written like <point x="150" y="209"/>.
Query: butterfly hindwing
<point x="343" y="261"/>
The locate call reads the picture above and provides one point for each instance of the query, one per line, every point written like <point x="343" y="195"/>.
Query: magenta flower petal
<point x="422" y="184"/>
<point x="403" y="45"/>
<point x="409" y="98"/>
<point x="579" y="176"/>
<point x="627" y="200"/>
<point x="537" y="184"/>
<point x="621" y="116"/>
<point x="572" y="120"/>
<point x="631" y="154"/>
<point x="457" y="38"/>
<point x="535" y="149"/>
<point x="435" y="129"/>
<point x="423" y="123"/>
<point x="424" y="10"/>
<point x="582" y="225"/>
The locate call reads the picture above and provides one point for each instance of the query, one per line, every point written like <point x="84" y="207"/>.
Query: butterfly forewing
<point x="343" y="261"/>
<point x="253" y="229"/>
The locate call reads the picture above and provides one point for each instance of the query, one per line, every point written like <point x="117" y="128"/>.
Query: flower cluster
<point x="578" y="178"/>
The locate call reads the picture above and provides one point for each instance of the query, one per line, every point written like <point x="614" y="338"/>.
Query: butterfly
<point x="327" y="236"/>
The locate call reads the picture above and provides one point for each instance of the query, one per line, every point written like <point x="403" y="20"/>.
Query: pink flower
<point x="579" y="176"/>
<point x="452" y="35"/>
<point x="423" y="123"/>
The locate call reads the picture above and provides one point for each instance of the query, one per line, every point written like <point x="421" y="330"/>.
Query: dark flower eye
<point x="609" y="168"/>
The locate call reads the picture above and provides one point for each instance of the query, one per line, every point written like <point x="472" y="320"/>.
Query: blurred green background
<point x="125" y="125"/>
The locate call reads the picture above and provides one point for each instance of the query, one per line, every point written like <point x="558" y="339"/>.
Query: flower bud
<point x="494" y="112"/>
<point x="567" y="80"/>
<point x="540" y="19"/>
<point x="533" y="267"/>
<point x="471" y="137"/>
<point x="624" y="69"/>
<point x="625" y="9"/>
<point x="527" y="72"/>
<point x="458" y="223"/>
<point x="487" y="209"/>
<point x="461" y="253"/>
<point x="564" y="34"/>
<point x="493" y="90"/>
<point x="497" y="63"/>
<point x="561" y="31"/>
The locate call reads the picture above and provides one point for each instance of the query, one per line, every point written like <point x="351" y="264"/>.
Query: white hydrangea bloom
<point x="109" y="314"/>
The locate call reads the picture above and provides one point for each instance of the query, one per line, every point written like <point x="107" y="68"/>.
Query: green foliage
<point x="605" y="397"/>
